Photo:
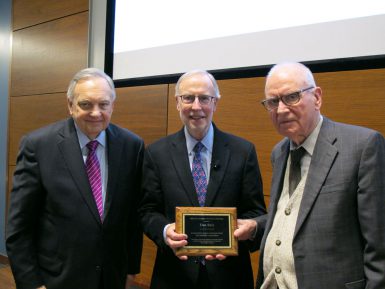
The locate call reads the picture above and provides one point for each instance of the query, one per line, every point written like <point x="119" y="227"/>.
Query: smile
<point x="197" y="117"/>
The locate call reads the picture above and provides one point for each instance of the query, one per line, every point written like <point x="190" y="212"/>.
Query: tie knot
<point x="198" y="147"/>
<point x="296" y="155"/>
<point x="92" y="145"/>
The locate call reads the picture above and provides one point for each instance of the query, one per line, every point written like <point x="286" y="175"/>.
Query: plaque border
<point x="231" y="250"/>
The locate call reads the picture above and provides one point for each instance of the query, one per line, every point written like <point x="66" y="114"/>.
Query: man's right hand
<point x="175" y="240"/>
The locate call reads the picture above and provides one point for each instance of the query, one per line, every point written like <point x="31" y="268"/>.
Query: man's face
<point x="296" y="121"/>
<point x="92" y="106"/>
<point x="195" y="116"/>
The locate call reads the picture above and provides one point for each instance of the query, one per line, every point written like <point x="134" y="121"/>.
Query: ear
<point x="69" y="104"/>
<point x="215" y="103"/>
<point x="177" y="103"/>
<point x="318" y="97"/>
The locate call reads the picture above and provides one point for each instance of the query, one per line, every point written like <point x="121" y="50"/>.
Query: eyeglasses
<point x="203" y="99"/>
<point x="288" y="99"/>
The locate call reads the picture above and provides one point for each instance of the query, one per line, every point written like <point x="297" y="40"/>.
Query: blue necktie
<point x="199" y="176"/>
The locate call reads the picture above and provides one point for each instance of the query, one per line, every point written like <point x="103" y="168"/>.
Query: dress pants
<point x="203" y="278"/>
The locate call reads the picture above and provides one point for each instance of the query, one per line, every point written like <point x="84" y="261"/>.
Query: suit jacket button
<point x="287" y="211"/>
<point x="278" y="242"/>
<point x="278" y="270"/>
<point x="98" y="268"/>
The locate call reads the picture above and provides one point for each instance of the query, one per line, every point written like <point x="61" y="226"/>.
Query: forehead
<point x="197" y="83"/>
<point x="285" y="81"/>
<point x="92" y="88"/>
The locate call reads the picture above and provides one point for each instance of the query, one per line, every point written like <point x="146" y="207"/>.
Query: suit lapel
<point x="114" y="152"/>
<point x="219" y="160"/>
<point x="277" y="181"/>
<point x="180" y="161"/>
<point x="322" y="160"/>
<point x="70" y="149"/>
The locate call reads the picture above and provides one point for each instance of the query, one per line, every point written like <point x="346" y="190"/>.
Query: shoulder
<point x="348" y="132"/>
<point x="167" y="141"/>
<point x="123" y="133"/>
<point x="280" y="147"/>
<point x="232" y="140"/>
<point x="48" y="132"/>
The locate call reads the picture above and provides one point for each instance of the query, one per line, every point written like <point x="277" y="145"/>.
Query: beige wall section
<point x="30" y="112"/>
<point x="142" y="110"/>
<point x="27" y="13"/>
<point x="45" y="56"/>
<point x="355" y="97"/>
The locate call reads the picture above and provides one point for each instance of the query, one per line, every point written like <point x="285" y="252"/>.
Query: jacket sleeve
<point x="25" y="204"/>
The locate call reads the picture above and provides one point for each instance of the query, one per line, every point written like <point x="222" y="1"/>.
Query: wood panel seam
<point x="51" y="20"/>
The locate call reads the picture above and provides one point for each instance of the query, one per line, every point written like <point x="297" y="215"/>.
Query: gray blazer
<point x="339" y="239"/>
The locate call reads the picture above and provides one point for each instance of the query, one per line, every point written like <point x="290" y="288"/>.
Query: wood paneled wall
<point x="50" y="44"/>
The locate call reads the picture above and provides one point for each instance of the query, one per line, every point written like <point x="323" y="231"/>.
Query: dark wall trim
<point x="331" y="65"/>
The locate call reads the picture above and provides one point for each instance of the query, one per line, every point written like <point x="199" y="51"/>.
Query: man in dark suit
<point x="232" y="179"/>
<point x="327" y="229"/>
<point x="64" y="229"/>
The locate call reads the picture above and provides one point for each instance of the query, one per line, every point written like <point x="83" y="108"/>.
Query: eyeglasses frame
<point x="281" y="98"/>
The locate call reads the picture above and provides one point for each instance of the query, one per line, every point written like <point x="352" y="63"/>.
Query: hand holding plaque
<point x="210" y="231"/>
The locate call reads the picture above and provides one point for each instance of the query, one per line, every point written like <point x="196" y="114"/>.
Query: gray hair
<point x="198" y="72"/>
<point x="88" y="73"/>
<point x="299" y="67"/>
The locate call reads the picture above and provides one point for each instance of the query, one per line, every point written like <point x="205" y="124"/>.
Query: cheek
<point x="107" y="115"/>
<point x="273" y="117"/>
<point x="184" y="111"/>
<point x="209" y="110"/>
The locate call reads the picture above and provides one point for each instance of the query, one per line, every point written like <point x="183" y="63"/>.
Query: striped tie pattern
<point x="199" y="176"/>
<point x="94" y="176"/>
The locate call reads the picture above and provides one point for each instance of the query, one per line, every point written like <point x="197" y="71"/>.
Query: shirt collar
<point x="84" y="140"/>
<point x="207" y="141"/>
<point x="310" y="141"/>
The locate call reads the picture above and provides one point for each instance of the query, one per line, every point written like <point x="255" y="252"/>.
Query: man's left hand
<point x="246" y="229"/>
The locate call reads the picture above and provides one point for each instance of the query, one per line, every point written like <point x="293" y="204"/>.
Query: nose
<point x="281" y="107"/>
<point x="196" y="104"/>
<point x="96" y="111"/>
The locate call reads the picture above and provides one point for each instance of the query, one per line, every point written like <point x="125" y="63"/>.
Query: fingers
<point x="246" y="229"/>
<point x="173" y="239"/>
<point x="129" y="281"/>
<point x="183" y="258"/>
<point x="219" y="257"/>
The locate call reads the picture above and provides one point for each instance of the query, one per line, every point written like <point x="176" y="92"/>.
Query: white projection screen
<point x="154" y="39"/>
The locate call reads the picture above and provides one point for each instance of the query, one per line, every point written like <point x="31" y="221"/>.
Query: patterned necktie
<point x="94" y="176"/>
<point x="295" y="168"/>
<point x="199" y="175"/>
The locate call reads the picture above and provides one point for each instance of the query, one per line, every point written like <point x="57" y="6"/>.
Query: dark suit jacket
<point x="339" y="239"/>
<point x="54" y="234"/>
<point x="235" y="181"/>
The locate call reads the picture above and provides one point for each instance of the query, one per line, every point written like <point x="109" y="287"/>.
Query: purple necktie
<point x="94" y="176"/>
<point x="199" y="175"/>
